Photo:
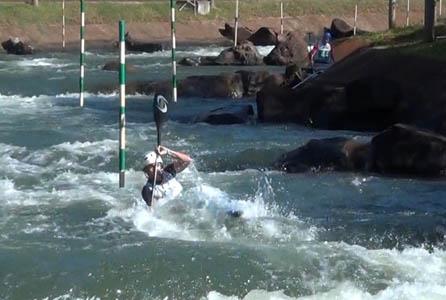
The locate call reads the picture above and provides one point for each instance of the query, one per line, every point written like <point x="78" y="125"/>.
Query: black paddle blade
<point x="159" y="113"/>
<point x="159" y="109"/>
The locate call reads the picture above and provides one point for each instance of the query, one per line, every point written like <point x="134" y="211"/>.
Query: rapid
<point x="68" y="232"/>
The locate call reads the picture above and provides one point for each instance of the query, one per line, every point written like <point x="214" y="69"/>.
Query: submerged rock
<point x="17" y="47"/>
<point x="231" y="114"/>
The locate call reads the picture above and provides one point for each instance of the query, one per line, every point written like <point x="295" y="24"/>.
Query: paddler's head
<point x="151" y="159"/>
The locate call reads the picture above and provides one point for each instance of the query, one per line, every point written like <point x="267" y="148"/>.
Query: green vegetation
<point x="103" y="12"/>
<point x="403" y="35"/>
<point x="409" y="40"/>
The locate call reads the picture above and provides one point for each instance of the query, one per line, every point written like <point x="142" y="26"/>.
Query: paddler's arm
<point x="182" y="160"/>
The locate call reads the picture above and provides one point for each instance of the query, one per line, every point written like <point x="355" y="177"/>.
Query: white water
<point x="58" y="184"/>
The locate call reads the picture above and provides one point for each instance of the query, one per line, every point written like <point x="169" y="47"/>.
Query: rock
<point x="332" y="154"/>
<point x="213" y="86"/>
<point x="399" y="150"/>
<point x="244" y="53"/>
<point x="274" y="101"/>
<point x="197" y="61"/>
<point x="295" y="73"/>
<point x="253" y="81"/>
<point x="232" y="114"/>
<point x="17" y="47"/>
<point x="115" y="66"/>
<point x="292" y="48"/>
<point x="369" y="104"/>
<point x="138" y="46"/>
<point x="243" y="33"/>
<point x="237" y="85"/>
<point x="402" y="149"/>
<point x="343" y="48"/>
<point x="340" y="29"/>
<point x="264" y="37"/>
<point x="368" y="91"/>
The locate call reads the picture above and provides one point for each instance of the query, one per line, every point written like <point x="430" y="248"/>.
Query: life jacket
<point x="323" y="54"/>
<point x="169" y="188"/>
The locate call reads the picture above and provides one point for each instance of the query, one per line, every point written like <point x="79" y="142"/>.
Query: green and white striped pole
<point x="236" y="24"/>
<point x="82" y="55"/>
<point x="281" y="17"/>
<point x="174" y="46"/>
<point x="63" y="24"/>
<point x="122" y="80"/>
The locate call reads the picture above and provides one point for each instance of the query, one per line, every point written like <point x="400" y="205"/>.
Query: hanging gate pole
<point x="174" y="45"/>
<point x="82" y="55"/>
<point x="236" y="23"/>
<point x="122" y="81"/>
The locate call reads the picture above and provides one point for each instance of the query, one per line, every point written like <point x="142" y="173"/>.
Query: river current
<point x="68" y="232"/>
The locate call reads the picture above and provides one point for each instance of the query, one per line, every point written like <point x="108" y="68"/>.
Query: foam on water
<point x="415" y="274"/>
<point x="265" y="50"/>
<point x="43" y="62"/>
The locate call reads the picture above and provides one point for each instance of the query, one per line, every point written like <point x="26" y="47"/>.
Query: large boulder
<point x="331" y="154"/>
<point x="368" y="91"/>
<point x="402" y="149"/>
<point x="264" y="37"/>
<point x="275" y="102"/>
<point x="139" y="46"/>
<point x="243" y="33"/>
<point x="244" y="53"/>
<point x="291" y="48"/>
<point x="343" y="48"/>
<point x="369" y="104"/>
<point x="17" y="47"/>
<point x="231" y="114"/>
<point x="253" y="81"/>
<point x="340" y="29"/>
<point x="398" y="150"/>
<point x="236" y="85"/>
<point x="212" y="86"/>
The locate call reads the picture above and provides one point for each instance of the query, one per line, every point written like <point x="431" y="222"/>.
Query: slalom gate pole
<point x="63" y="24"/>
<point x="122" y="81"/>
<point x="281" y="17"/>
<point x="356" y="19"/>
<point x="236" y="23"/>
<point x="82" y="55"/>
<point x="174" y="45"/>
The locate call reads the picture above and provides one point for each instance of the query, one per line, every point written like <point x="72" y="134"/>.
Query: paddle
<point x="160" y="116"/>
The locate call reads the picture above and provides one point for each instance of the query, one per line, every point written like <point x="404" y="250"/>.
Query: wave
<point x="43" y="62"/>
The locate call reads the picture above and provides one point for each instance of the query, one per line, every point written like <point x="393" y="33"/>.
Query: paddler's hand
<point x="162" y="150"/>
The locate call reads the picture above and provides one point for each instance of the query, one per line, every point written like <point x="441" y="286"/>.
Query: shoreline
<point x="204" y="32"/>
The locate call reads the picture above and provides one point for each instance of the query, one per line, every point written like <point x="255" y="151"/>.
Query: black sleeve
<point x="171" y="169"/>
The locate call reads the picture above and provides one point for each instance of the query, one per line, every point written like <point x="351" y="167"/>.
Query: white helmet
<point x="151" y="158"/>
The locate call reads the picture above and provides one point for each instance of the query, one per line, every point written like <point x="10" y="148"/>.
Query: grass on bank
<point x="409" y="40"/>
<point x="103" y="12"/>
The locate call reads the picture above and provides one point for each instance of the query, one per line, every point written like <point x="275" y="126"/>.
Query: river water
<point x="68" y="232"/>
